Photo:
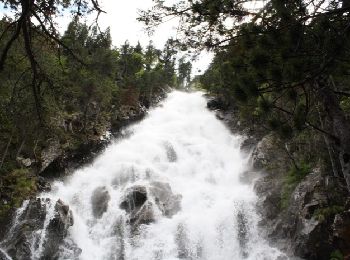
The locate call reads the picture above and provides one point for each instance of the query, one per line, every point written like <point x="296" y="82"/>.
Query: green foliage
<point x="79" y="90"/>
<point x="240" y="94"/>
<point x="324" y="213"/>
<point x="271" y="63"/>
<point x="345" y="104"/>
<point x="292" y="179"/>
<point x="259" y="59"/>
<point x="264" y="104"/>
<point x="19" y="185"/>
<point x="184" y="72"/>
<point x="299" y="116"/>
<point x="336" y="255"/>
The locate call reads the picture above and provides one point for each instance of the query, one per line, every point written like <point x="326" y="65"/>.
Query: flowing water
<point x="181" y="144"/>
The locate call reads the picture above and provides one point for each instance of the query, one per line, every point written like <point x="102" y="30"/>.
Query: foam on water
<point x="180" y="143"/>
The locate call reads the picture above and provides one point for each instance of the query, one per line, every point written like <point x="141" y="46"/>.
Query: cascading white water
<point x="182" y="144"/>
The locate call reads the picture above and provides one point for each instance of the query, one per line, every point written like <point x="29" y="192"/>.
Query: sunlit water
<point x="217" y="220"/>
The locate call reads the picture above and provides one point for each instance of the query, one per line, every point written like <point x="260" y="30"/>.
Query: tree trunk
<point x="5" y="152"/>
<point x="341" y="126"/>
<point x="20" y="147"/>
<point x="330" y="147"/>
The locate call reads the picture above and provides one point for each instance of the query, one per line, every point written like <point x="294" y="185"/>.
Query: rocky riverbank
<point x="305" y="211"/>
<point x="58" y="160"/>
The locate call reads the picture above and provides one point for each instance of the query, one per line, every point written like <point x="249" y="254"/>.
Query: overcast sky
<point x="121" y="17"/>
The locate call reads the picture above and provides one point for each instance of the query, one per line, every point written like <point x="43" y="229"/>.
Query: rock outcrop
<point x="50" y="153"/>
<point x="217" y="103"/>
<point x="312" y="219"/>
<point x="57" y="230"/>
<point x="168" y="203"/>
<point x="57" y="158"/>
<point x="304" y="221"/>
<point x="39" y="230"/>
<point x="99" y="201"/>
<point x="140" y="202"/>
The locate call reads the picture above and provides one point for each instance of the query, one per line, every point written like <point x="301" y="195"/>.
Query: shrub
<point x="294" y="176"/>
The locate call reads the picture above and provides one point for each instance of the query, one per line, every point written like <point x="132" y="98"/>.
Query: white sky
<point x="121" y="17"/>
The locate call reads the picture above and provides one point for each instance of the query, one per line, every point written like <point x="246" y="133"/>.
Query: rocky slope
<point x="307" y="216"/>
<point x="57" y="160"/>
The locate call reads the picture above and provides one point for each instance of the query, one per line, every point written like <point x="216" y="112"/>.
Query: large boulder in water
<point x="217" y="102"/>
<point x="38" y="229"/>
<point x="99" y="201"/>
<point x="57" y="229"/>
<point x="136" y="205"/>
<point x="135" y="197"/>
<point x="139" y="202"/>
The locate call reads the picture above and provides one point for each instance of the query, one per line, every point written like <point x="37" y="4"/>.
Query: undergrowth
<point x="294" y="176"/>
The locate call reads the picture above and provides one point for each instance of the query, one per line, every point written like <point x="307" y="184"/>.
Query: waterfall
<point x="170" y="189"/>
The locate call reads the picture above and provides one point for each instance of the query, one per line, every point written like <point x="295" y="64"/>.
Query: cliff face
<point x="310" y="218"/>
<point x="304" y="212"/>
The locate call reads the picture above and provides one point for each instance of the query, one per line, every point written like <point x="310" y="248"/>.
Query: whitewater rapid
<point x="217" y="219"/>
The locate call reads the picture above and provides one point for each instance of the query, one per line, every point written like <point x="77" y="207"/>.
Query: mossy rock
<point x="17" y="186"/>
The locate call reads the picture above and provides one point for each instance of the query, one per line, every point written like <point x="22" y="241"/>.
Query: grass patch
<point x="18" y="186"/>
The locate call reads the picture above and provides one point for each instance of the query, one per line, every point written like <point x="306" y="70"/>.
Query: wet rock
<point x="168" y="203"/>
<point x="242" y="224"/>
<point x="70" y="160"/>
<point x="50" y="153"/>
<point x="17" y="241"/>
<point x="217" y="102"/>
<point x="144" y="215"/>
<point x="308" y="238"/>
<point x="57" y="230"/>
<point x="3" y="255"/>
<point x="269" y="190"/>
<point x="135" y="198"/>
<point x="170" y="152"/>
<point x="43" y="185"/>
<point x="135" y="203"/>
<point x="303" y="228"/>
<point x="99" y="201"/>
<point x="139" y="203"/>
<point x="69" y="250"/>
<point x="265" y="152"/>
<point x="341" y="231"/>
<point x="127" y="115"/>
<point x="27" y="232"/>
<point x="249" y="144"/>
<point x="220" y="115"/>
